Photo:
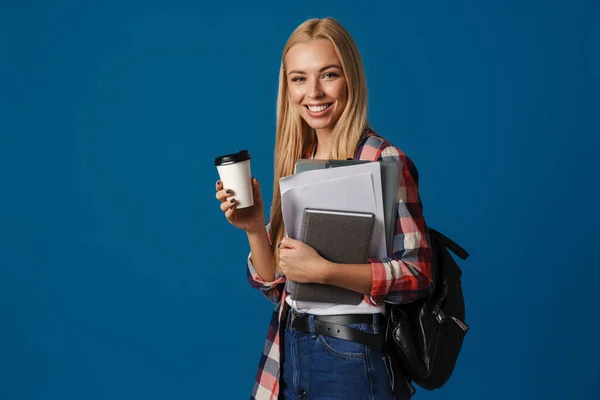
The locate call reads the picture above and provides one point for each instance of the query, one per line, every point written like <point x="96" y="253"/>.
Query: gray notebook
<point x="339" y="236"/>
<point x="389" y="178"/>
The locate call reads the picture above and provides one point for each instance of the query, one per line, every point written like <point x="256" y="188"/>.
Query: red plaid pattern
<point x="402" y="278"/>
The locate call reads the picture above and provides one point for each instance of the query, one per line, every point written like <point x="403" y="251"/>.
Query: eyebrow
<point x="295" y="71"/>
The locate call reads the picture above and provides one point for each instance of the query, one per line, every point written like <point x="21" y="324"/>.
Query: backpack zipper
<point x="441" y="317"/>
<point x="458" y="322"/>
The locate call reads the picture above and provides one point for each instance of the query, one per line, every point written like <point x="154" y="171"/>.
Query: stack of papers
<point x="350" y="188"/>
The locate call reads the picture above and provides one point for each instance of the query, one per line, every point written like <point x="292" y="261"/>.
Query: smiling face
<point x="316" y="83"/>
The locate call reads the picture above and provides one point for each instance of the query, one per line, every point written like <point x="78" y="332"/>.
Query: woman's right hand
<point x="251" y="219"/>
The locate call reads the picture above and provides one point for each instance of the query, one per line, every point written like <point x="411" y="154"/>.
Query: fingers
<point x="288" y="243"/>
<point x="222" y="193"/>
<point x="230" y="211"/>
<point x="228" y="204"/>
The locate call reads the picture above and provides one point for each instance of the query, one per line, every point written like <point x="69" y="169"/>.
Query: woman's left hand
<point x="300" y="262"/>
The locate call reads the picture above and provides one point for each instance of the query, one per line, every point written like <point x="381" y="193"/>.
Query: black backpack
<point x="424" y="338"/>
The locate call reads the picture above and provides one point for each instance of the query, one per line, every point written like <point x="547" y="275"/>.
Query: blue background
<point x="119" y="276"/>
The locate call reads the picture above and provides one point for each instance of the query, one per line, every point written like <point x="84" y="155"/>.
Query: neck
<point x="324" y="137"/>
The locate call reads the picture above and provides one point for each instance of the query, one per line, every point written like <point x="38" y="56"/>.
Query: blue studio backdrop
<point x="120" y="277"/>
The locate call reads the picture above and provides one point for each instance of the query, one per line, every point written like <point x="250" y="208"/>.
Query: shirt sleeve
<point x="407" y="275"/>
<point x="271" y="290"/>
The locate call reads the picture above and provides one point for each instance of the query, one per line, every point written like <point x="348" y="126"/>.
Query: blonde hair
<point x="294" y="136"/>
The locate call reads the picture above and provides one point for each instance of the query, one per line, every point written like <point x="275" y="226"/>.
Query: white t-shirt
<point x="334" y="309"/>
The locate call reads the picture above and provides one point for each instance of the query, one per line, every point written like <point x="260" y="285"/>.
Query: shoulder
<point x="375" y="147"/>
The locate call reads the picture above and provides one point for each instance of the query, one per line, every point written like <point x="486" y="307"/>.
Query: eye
<point x="330" y="75"/>
<point x="298" y="79"/>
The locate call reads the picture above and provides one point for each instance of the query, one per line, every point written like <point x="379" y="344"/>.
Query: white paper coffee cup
<point x="234" y="172"/>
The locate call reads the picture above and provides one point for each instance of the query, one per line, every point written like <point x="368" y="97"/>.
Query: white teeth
<point x="318" y="108"/>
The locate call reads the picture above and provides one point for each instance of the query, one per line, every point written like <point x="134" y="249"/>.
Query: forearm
<point x="261" y="255"/>
<point x="357" y="277"/>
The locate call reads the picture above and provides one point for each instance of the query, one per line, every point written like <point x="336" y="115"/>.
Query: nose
<point x="315" y="89"/>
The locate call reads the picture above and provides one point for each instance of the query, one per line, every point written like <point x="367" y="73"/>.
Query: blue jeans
<point x="319" y="367"/>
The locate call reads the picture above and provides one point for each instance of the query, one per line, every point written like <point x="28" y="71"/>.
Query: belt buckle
<point x="295" y="314"/>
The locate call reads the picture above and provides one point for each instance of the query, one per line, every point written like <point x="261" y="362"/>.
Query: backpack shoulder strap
<point x="450" y="244"/>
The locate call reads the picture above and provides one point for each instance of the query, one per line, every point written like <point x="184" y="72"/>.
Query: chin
<point x="316" y="124"/>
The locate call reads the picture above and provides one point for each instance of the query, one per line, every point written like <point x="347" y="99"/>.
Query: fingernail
<point x="231" y="208"/>
<point x="233" y="200"/>
<point x="218" y="182"/>
<point x="279" y="245"/>
<point x="228" y="192"/>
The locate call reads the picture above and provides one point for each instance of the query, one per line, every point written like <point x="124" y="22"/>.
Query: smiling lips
<point x="318" y="110"/>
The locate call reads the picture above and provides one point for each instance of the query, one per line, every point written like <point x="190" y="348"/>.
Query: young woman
<point x="322" y="114"/>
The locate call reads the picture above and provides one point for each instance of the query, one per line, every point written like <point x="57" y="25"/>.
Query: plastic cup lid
<point x="242" y="155"/>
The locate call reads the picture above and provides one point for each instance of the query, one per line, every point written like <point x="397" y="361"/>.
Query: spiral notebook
<point x="339" y="236"/>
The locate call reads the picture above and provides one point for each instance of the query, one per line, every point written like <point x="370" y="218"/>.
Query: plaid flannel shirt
<point x="402" y="278"/>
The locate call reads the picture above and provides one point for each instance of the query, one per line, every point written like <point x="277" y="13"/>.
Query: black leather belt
<point x="335" y="326"/>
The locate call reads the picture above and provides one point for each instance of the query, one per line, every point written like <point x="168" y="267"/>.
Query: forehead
<point x="311" y="55"/>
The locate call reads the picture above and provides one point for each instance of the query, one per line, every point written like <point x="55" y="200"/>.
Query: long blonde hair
<point x="294" y="136"/>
